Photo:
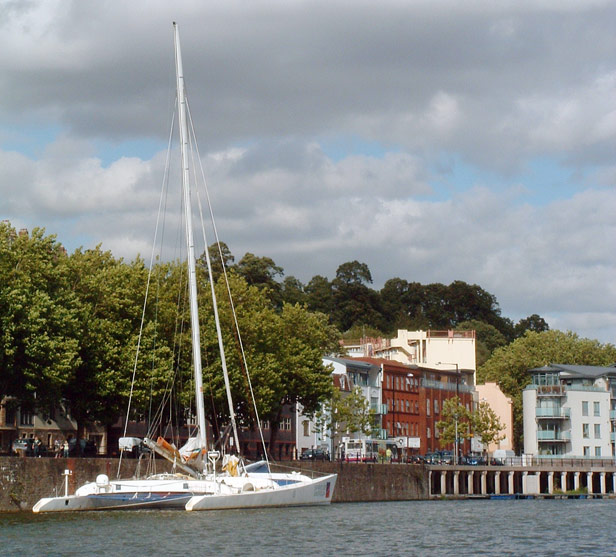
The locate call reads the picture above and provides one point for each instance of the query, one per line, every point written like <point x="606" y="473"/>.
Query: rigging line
<point x="176" y="349"/>
<point x="223" y="360"/>
<point x="224" y="270"/>
<point x="147" y="291"/>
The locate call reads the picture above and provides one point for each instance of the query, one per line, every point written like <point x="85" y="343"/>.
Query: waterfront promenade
<point x="532" y="478"/>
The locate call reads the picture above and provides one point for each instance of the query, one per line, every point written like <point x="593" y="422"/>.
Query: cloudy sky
<point x="433" y="141"/>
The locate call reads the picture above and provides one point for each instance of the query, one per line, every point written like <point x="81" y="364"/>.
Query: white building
<point x="570" y="411"/>
<point x="346" y="374"/>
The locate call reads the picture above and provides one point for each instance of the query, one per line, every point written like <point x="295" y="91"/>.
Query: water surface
<point x="526" y="527"/>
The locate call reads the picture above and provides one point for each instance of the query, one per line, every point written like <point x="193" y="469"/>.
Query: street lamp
<point x="455" y="456"/>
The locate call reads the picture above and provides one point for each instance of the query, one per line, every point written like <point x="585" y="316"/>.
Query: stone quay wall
<point x="23" y="481"/>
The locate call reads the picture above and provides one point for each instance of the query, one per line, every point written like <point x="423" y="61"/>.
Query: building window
<point x="584" y="408"/>
<point x="585" y="431"/>
<point x="428" y="435"/>
<point x="586" y="451"/>
<point x="597" y="431"/>
<point x="285" y="424"/>
<point x="597" y="451"/>
<point x="306" y="425"/>
<point x="26" y="418"/>
<point x="596" y="408"/>
<point x="427" y="407"/>
<point x="435" y="406"/>
<point x="265" y="424"/>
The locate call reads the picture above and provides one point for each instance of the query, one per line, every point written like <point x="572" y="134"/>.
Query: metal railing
<point x="553" y="412"/>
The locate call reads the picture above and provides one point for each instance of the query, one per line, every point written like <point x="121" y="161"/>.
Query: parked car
<point x="26" y="447"/>
<point x="473" y="460"/>
<point x="81" y="448"/>
<point x="314" y="454"/>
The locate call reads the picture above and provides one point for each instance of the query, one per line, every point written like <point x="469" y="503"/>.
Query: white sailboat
<point x="198" y="486"/>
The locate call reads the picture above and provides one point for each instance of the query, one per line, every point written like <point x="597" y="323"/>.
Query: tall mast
<point x="192" y="275"/>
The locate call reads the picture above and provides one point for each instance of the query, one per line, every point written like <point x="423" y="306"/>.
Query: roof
<point x="357" y="365"/>
<point x="577" y="371"/>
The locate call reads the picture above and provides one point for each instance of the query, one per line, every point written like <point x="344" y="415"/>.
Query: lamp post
<point x="455" y="456"/>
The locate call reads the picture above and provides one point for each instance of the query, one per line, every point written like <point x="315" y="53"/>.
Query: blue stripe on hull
<point x="139" y="500"/>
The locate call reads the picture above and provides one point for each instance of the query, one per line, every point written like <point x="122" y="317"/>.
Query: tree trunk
<point x="274" y="427"/>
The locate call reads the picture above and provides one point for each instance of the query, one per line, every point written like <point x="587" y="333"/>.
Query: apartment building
<point x="570" y="411"/>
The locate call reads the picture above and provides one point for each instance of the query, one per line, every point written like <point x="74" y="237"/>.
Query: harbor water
<point x="470" y="527"/>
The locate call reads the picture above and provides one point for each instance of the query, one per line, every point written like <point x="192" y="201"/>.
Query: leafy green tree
<point x="533" y="322"/>
<point x="293" y="291"/>
<point x="262" y="272"/>
<point x="38" y="341"/>
<point x="283" y="350"/>
<point x="221" y="259"/>
<point x="454" y="418"/>
<point x="320" y="295"/>
<point x="401" y="303"/>
<point x="354" y="302"/>
<point x="487" y="425"/>
<point x="488" y="338"/>
<point x="346" y="413"/>
<point x="110" y="295"/>
<point x="508" y="366"/>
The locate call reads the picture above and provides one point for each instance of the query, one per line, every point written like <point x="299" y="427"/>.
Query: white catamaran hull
<point x="257" y="489"/>
<point x="314" y="492"/>
<point x="129" y="495"/>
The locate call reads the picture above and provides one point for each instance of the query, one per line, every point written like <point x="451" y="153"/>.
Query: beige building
<point x="437" y="349"/>
<point x="503" y="408"/>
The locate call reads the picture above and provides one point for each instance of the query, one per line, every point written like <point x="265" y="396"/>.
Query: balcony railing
<point x="430" y="384"/>
<point x="553" y="413"/>
<point x="550" y="390"/>
<point x="548" y="435"/>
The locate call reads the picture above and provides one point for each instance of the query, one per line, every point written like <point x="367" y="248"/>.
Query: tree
<point x="319" y="295"/>
<point x="488" y="338"/>
<point x="283" y="349"/>
<point x="38" y="340"/>
<point x="110" y="299"/>
<point x="293" y="291"/>
<point x="354" y="302"/>
<point x="401" y="305"/>
<point x="455" y="419"/>
<point x="261" y="272"/>
<point x="533" y="322"/>
<point x="487" y="425"/>
<point x="345" y="413"/>
<point x="508" y="366"/>
<point x="221" y="259"/>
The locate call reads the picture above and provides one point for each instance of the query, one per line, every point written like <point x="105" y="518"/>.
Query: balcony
<point x="562" y="413"/>
<point x="548" y="435"/>
<point x="550" y="390"/>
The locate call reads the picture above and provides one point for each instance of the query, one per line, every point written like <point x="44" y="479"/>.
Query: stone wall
<point x="23" y="481"/>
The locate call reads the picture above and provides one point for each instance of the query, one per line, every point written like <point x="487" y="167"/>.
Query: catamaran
<point x="197" y="482"/>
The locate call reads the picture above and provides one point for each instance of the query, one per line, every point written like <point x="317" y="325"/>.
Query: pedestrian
<point x="388" y="454"/>
<point x="65" y="448"/>
<point x="37" y="447"/>
<point x="57" y="447"/>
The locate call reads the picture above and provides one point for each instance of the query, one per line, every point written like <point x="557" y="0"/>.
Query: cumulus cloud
<point x="451" y="106"/>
